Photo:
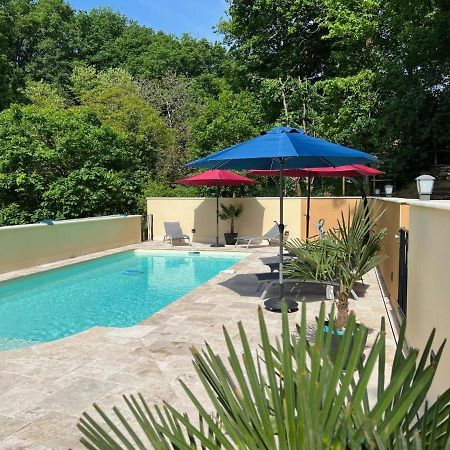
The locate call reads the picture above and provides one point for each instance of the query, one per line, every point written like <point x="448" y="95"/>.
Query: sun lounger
<point x="273" y="262"/>
<point x="273" y="278"/>
<point x="174" y="233"/>
<point x="271" y="236"/>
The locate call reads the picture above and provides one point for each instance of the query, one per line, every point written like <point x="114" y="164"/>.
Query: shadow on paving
<point x="244" y="284"/>
<point x="248" y="285"/>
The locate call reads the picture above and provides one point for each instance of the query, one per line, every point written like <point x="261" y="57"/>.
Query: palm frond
<point x="293" y="396"/>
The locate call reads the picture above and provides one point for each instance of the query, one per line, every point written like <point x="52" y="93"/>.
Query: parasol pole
<point x="217" y="220"/>
<point x="281" y="231"/>
<point x="275" y="303"/>
<point x="217" y="216"/>
<point x="308" y="206"/>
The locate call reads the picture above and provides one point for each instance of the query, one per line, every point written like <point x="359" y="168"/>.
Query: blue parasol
<point x="278" y="149"/>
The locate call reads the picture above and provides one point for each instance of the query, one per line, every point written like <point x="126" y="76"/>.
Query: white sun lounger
<point x="174" y="233"/>
<point x="272" y="235"/>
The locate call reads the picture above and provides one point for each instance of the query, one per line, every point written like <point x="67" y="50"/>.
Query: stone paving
<point x="45" y="388"/>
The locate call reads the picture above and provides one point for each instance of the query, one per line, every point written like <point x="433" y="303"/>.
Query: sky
<point x="196" y="17"/>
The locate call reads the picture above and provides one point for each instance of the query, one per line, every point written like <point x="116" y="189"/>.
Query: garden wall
<point x="327" y="208"/>
<point x="257" y="218"/>
<point x="395" y="216"/>
<point x="25" y="246"/>
<point x="429" y="282"/>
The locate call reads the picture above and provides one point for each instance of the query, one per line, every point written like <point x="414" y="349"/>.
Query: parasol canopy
<point x="217" y="177"/>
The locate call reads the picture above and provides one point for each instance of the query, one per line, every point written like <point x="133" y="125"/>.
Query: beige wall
<point x="395" y="216"/>
<point x="24" y="246"/>
<point x="200" y="214"/>
<point x="327" y="208"/>
<point x="257" y="217"/>
<point x="429" y="283"/>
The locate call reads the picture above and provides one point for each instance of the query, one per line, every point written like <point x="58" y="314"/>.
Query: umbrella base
<point x="217" y="245"/>
<point x="275" y="304"/>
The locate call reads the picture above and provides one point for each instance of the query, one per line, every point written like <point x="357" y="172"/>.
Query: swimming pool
<point x="114" y="291"/>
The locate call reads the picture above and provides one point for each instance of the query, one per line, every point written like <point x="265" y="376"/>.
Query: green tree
<point x="95" y="35"/>
<point x="46" y="152"/>
<point x="42" y="36"/>
<point x="184" y="56"/>
<point x="91" y="191"/>
<point x="44" y="95"/>
<point x="225" y="120"/>
<point x="276" y="38"/>
<point x="114" y="96"/>
<point x="6" y="55"/>
<point x="344" y="109"/>
<point x="175" y="99"/>
<point x="403" y="46"/>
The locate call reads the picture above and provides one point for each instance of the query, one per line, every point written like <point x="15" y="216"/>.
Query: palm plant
<point x="292" y="396"/>
<point x="230" y="213"/>
<point x="345" y="254"/>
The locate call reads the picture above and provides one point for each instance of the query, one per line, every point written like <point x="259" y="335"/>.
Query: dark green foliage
<point x="186" y="56"/>
<point x="371" y="75"/>
<point x="377" y="72"/>
<point x="291" y="395"/>
<point x="41" y="39"/>
<point x="230" y="213"/>
<point x="276" y="38"/>
<point x="224" y="120"/>
<point x="159" y="189"/>
<point x="97" y="36"/>
<point x="44" y="39"/>
<point x="64" y="164"/>
<point x="91" y="191"/>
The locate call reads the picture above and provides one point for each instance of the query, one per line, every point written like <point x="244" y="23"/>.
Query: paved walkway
<point x="45" y="388"/>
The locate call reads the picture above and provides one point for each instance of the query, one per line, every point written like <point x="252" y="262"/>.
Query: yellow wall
<point x="327" y="208"/>
<point x="256" y="219"/>
<point x="200" y="214"/>
<point x="25" y="246"/>
<point x="395" y="216"/>
<point x="429" y="283"/>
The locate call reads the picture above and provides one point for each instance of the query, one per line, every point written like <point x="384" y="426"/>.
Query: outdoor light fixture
<point x="388" y="189"/>
<point x="425" y="185"/>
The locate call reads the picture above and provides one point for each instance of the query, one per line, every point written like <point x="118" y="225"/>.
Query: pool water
<point x="114" y="291"/>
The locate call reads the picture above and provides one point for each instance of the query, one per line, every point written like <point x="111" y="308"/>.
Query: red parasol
<point x="216" y="177"/>
<point x="351" y="170"/>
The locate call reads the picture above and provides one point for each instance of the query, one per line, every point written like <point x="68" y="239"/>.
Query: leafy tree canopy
<point x="45" y="153"/>
<point x="372" y="75"/>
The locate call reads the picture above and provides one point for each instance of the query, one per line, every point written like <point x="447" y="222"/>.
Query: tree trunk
<point x="304" y="100"/>
<point x="342" y="309"/>
<point x="298" y="189"/>
<point x="285" y="106"/>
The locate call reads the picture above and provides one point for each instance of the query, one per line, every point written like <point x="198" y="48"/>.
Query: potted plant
<point x="230" y="213"/>
<point x="343" y="256"/>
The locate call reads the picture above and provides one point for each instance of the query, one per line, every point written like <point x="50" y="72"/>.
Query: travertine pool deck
<point x="44" y="389"/>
